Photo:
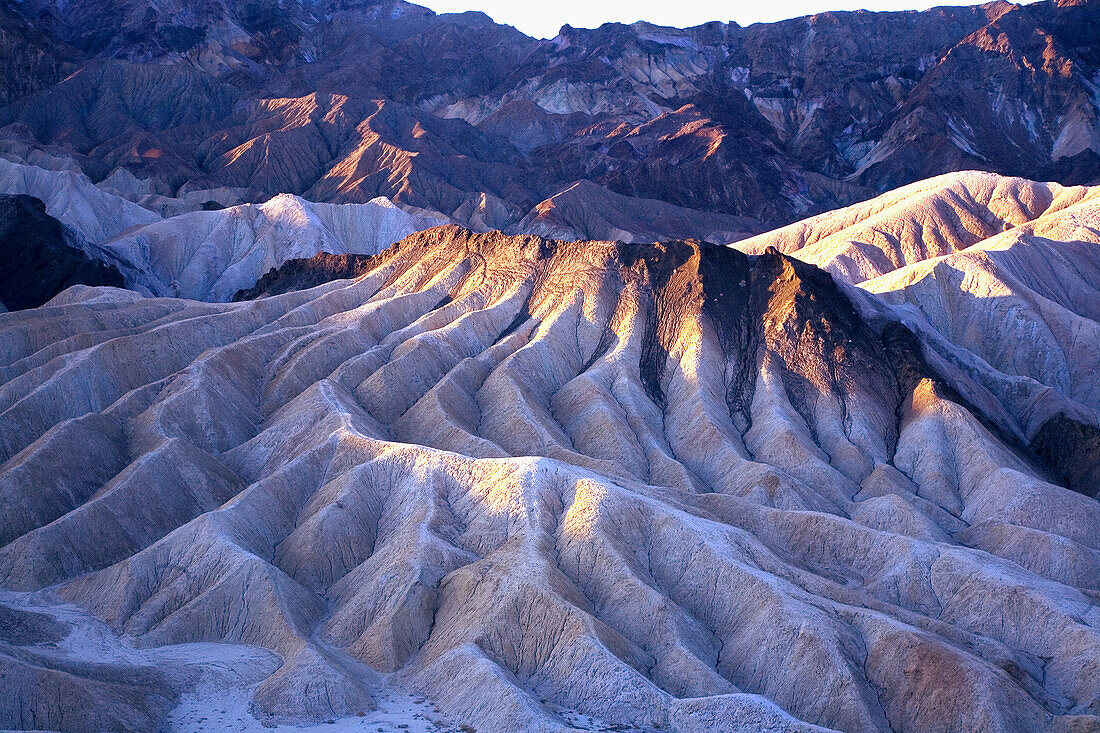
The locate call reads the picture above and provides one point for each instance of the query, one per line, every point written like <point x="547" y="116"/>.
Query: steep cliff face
<point x="585" y="478"/>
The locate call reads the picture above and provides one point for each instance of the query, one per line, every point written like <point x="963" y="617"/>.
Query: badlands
<point x="364" y="368"/>
<point x="550" y="485"/>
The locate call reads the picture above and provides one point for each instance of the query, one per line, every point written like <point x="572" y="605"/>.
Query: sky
<point x="542" y="19"/>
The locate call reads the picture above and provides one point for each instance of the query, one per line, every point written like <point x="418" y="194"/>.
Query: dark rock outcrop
<point x="37" y="263"/>
<point x="1072" y="450"/>
<point x="31" y="59"/>
<point x="300" y="274"/>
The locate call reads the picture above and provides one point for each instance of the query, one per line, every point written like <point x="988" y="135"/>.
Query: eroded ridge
<point x="665" y="485"/>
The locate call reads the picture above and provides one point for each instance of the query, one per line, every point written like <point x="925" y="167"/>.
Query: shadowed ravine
<point x="669" y="486"/>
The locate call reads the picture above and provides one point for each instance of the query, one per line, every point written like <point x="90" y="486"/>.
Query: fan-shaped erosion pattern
<point x="668" y="486"/>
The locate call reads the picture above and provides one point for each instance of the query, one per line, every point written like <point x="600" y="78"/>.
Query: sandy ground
<point x="224" y="677"/>
<point x="227" y="710"/>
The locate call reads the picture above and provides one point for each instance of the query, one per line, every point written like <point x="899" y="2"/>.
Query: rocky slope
<point x="143" y="111"/>
<point x="929" y="219"/>
<point x="207" y="252"/>
<point x="32" y="60"/>
<point x="347" y="101"/>
<point x="1001" y="276"/>
<point x="90" y="214"/>
<point x="302" y="274"/>
<point x="210" y="255"/>
<point x="665" y="486"/>
<point x="583" y="210"/>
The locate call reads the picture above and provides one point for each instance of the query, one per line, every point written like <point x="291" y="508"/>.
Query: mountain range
<point x="342" y="101"/>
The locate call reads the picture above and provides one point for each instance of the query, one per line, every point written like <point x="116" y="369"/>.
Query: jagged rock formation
<point x="38" y="263"/>
<point x="345" y="101"/>
<point x="670" y="486"/>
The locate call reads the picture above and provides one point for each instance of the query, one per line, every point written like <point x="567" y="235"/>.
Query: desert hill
<point x="666" y="486"/>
